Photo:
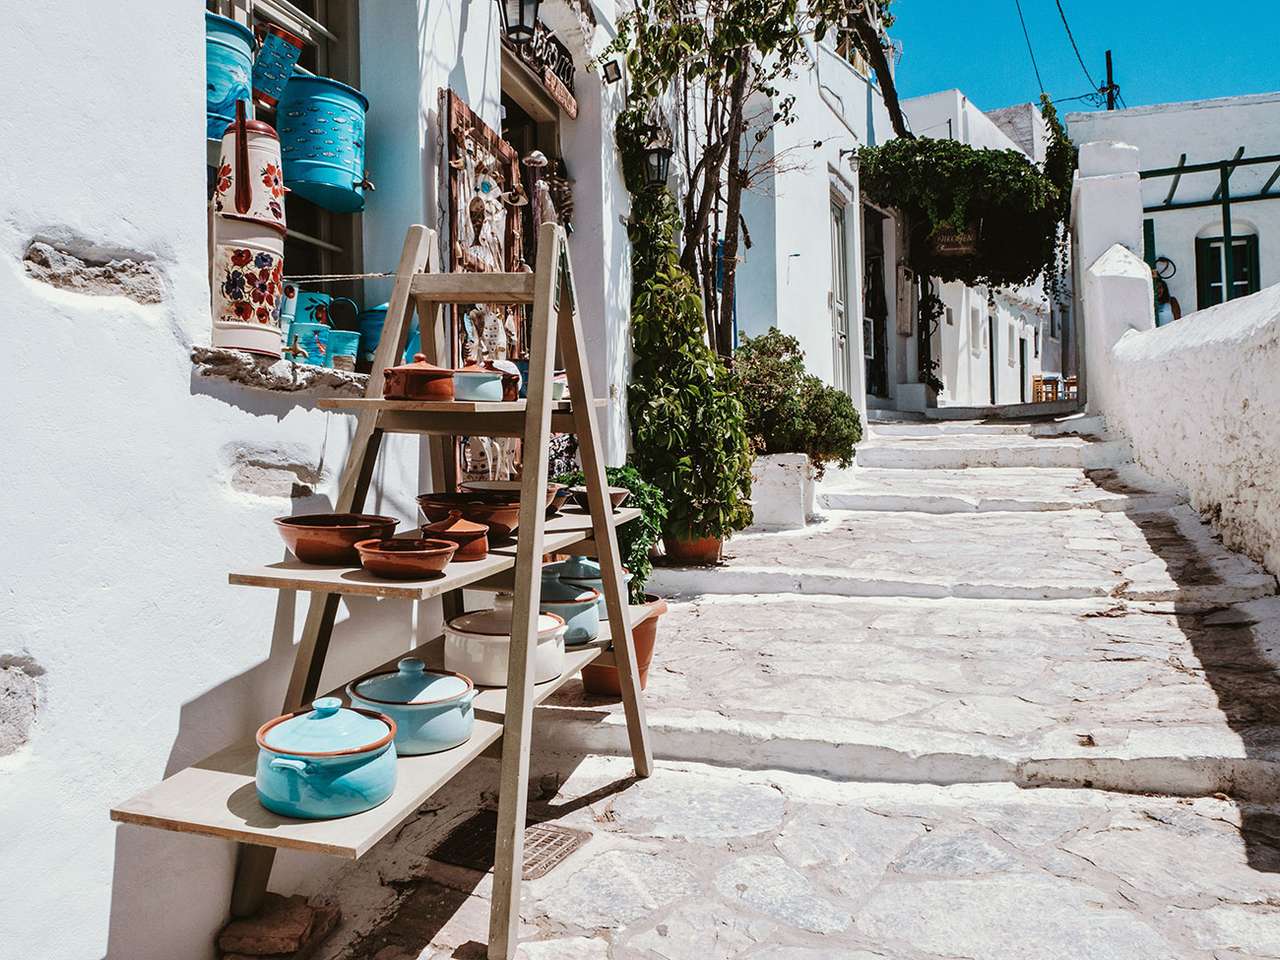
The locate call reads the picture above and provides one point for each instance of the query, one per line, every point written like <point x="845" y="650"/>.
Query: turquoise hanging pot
<point x="321" y="124"/>
<point x="228" y="56"/>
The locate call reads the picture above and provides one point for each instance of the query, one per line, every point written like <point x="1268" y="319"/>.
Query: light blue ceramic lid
<point x="579" y="568"/>
<point x="557" y="591"/>
<point x="327" y="728"/>
<point x="412" y="683"/>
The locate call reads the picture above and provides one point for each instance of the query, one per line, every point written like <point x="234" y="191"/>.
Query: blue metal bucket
<point x="321" y="124"/>
<point x="228" y="53"/>
<point x="371" y="324"/>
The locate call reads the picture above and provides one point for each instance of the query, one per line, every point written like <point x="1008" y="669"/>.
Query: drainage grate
<point x="470" y="844"/>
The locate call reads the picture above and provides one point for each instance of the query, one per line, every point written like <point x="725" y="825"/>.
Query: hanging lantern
<point x="518" y="19"/>
<point x="657" y="164"/>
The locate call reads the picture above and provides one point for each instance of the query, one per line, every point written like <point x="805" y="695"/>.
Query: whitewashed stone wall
<point x="1200" y="402"/>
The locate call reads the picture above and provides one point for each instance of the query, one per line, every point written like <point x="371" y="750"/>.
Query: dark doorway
<point x="875" y="304"/>
<point x="991" y="355"/>
<point x="1022" y="369"/>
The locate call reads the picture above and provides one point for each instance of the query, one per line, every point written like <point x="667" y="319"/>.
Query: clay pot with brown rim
<point x="698" y="550"/>
<point x="331" y="538"/>
<point x="602" y="680"/>
<point x="419" y="380"/>
<point x="472" y="538"/>
<point x="406" y="559"/>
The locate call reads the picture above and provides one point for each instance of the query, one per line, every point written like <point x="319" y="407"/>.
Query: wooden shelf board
<point x="217" y="797"/>
<point x="571" y="527"/>
<point x="357" y="404"/>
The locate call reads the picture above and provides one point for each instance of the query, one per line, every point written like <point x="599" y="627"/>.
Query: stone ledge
<point x="278" y="376"/>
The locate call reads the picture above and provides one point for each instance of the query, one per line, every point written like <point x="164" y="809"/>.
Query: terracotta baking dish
<point x="472" y="538"/>
<point x="419" y="380"/>
<point x="331" y="538"/>
<point x="405" y="558"/>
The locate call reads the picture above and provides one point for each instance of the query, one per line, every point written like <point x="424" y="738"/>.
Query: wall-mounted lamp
<point x="657" y="164"/>
<point x="518" y="19"/>
<point x="612" y="71"/>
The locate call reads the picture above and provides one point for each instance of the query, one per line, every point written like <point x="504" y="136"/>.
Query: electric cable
<point x="1034" y="65"/>
<point x="1070" y="36"/>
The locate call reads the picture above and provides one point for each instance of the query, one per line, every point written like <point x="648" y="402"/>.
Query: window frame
<point x="336" y="244"/>
<point x="1213" y="250"/>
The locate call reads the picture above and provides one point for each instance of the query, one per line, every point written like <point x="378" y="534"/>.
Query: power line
<point x="1034" y="65"/>
<point x="1070" y="36"/>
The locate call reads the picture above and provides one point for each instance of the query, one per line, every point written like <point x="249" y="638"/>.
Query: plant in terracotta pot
<point x="635" y="543"/>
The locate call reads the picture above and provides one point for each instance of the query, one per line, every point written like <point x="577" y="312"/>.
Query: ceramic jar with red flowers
<point x="248" y="286"/>
<point x="250" y="179"/>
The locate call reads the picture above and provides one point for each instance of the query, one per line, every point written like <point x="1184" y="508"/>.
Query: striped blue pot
<point x="228" y="53"/>
<point x="321" y="126"/>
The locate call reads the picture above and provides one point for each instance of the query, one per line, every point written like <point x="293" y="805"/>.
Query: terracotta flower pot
<point x="602" y="680"/>
<point x="699" y="550"/>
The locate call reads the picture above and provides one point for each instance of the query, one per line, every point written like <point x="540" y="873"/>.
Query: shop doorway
<point x="991" y="355"/>
<point x="875" y="303"/>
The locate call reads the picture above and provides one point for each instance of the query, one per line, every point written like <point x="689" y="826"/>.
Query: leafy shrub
<point x="636" y="538"/>
<point x="790" y="411"/>
<point x="688" y="426"/>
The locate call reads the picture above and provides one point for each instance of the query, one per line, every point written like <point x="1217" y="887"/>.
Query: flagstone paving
<point x="952" y="731"/>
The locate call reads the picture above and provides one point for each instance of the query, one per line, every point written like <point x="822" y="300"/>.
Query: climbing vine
<point x="984" y="217"/>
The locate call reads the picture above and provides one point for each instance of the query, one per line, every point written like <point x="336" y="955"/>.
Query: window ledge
<point x="277" y="376"/>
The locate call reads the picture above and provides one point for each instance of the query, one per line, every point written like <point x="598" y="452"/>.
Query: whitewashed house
<point x="124" y="653"/>
<point x="1187" y="152"/>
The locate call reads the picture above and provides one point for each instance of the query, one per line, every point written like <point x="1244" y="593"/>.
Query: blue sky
<point x="1164" y="50"/>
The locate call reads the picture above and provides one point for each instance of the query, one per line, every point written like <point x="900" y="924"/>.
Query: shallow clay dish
<point x="406" y="559"/>
<point x="510" y="490"/>
<point x="617" y="496"/>
<point x="331" y="538"/>
<point x="500" y="512"/>
<point x="472" y="538"/>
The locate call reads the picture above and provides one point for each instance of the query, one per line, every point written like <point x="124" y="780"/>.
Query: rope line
<point x="313" y="279"/>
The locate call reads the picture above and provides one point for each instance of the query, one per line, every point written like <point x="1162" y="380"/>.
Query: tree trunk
<point x="733" y="206"/>
<point x="869" y="40"/>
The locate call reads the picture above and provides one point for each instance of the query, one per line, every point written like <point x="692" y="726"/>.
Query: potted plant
<point x="635" y="543"/>
<point x="798" y="426"/>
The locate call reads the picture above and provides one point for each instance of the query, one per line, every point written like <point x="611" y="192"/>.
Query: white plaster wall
<point x="1200" y="402"/>
<point x="1206" y="131"/>
<point x="120" y="460"/>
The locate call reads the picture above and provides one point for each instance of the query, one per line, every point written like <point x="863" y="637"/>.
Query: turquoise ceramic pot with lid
<point x="431" y="708"/>
<point x="583" y="572"/>
<point x="326" y="762"/>
<point x="578" y="606"/>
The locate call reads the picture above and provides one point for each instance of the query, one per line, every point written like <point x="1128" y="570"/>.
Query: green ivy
<point x="635" y="539"/>
<point x="1020" y="210"/>
<point x="790" y="411"/>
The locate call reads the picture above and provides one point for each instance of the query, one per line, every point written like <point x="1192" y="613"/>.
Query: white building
<point x="842" y="288"/>
<point x="1183" y="212"/>
<point x="137" y="483"/>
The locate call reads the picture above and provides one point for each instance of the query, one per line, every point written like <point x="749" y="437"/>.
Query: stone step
<point x="992" y="489"/>
<point x="963" y="452"/>
<point x="1055" y="555"/>
<point x="1092" y="426"/>
<point x="1102" y="693"/>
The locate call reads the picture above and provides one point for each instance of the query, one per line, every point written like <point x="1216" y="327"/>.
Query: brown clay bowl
<point x="617" y="496"/>
<point x="331" y="538"/>
<point x="505" y="489"/>
<point x="472" y="538"/>
<point x="558" y="500"/>
<point x="405" y="558"/>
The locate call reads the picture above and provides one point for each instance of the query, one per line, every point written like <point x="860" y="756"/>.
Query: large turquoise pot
<point x="228" y="63"/>
<point x="326" y="762"/>
<point x="577" y="606"/>
<point x="321" y="126"/>
<point x="431" y="708"/>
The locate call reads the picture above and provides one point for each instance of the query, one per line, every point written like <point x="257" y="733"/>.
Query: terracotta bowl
<point x="405" y="558"/>
<point x="499" y="511"/>
<point x="331" y="538"/>
<point x="506" y="489"/>
<point x="472" y="538"/>
<point x="617" y="496"/>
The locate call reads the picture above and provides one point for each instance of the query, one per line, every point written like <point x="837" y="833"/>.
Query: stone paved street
<point x="1003" y="712"/>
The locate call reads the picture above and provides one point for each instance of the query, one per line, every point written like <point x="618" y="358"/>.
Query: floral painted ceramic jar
<point x="259" y="164"/>
<point x="247" y="282"/>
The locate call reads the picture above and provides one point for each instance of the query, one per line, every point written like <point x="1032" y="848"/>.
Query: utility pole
<point x="1110" y="88"/>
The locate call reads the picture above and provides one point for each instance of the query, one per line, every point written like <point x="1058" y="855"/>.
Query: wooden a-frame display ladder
<point x="215" y="797"/>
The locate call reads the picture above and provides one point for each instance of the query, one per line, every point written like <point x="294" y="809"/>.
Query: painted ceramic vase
<point x="228" y="58"/>
<point x="247" y="282"/>
<point x="250" y="182"/>
<point x="278" y="53"/>
<point x="326" y="762"/>
<point x="431" y="708"/>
